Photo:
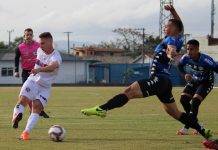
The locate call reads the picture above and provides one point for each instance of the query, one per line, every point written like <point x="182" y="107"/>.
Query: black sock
<point x="187" y="120"/>
<point x="194" y="107"/>
<point x="185" y="101"/>
<point x="117" y="101"/>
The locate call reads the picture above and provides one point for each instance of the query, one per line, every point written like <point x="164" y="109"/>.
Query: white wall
<point x="69" y="72"/>
<point x="66" y="73"/>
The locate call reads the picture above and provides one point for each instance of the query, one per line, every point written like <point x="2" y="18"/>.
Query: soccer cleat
<point x="94" y="111"/>
<point x="211" y="144"/>
<point x="208" y="135"/>
<point x="24" y="136"/>
<point x="195" y="132"/>
<point x="182" y="131"/>
<point x="16" y="120"/>
<point x="43" y="114"/>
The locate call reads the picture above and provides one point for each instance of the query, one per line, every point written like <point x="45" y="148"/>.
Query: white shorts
<point x="34" y="91"/>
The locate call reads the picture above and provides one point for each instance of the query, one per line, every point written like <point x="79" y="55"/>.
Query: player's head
<point x="173" y="27"/>
<point x="46" y="41"/>
<point x="28" y="35"/>
<point x="192" y="48"/>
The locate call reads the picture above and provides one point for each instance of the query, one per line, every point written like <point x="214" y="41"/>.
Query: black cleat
<point x="43" y="114"/>
<point x="16" y="120"/>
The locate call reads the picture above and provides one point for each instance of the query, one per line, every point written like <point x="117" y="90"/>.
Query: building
<point x="102" y="55"/>
<point x="207" y="48"/>
<point x="73" y="69"/>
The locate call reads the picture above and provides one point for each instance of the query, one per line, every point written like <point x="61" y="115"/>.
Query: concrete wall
<point x="70" y="72"/>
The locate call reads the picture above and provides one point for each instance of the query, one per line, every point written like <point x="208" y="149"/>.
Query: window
<point x="7" y="71"/>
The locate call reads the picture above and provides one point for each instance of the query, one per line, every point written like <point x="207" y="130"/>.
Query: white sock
<point x="33" y="119"/>
<point x="18" y="109"/>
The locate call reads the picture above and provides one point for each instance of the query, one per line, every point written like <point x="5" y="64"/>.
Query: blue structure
<point x="118" y="74"/>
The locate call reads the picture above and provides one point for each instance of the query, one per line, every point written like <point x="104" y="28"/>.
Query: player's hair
<point x="28" y="30"/>
<point x="193" y="42"/>
<point x="178" y="24"/>
<point x="46" y="35"/>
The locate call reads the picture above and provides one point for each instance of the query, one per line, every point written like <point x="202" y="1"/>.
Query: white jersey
<point x="46" y="79"/>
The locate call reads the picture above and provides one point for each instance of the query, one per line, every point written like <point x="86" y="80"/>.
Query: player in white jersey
<point x="38" y="85"/>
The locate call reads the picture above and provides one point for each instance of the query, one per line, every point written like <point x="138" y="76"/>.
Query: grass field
<point x="140" y="125"/>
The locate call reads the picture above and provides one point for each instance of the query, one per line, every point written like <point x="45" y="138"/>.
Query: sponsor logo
<point x="28" y="89"/>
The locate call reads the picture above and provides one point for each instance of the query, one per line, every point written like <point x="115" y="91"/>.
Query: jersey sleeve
<point x="182" y="63"/>
<point x="211" y="63"/>
<point x="17" y="59"/>
<point x="162" y="45"/>
<point x="57" y="58"/>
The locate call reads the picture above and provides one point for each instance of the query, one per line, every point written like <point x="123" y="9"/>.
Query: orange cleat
<point x="24" y="136"/>
<point x="183" y="131"/>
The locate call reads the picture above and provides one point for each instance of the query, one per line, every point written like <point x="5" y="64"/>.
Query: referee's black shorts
<point x="25" y="75"/>
<point x="202" y="89"/>
<point x="159" y="86"/>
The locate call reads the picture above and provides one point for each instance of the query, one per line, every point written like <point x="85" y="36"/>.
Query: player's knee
<point x="23" y="100"/>
<point x="173" y="113"/>
<point x="37" y="106"/>
<point x="185" y="99"/>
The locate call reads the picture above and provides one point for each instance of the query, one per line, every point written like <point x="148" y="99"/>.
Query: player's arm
<point x="212" y="64"/>
<point x="171" y="51"/>
<point x="174" y="13"/>
<point x="181" y="67"/>
<point x="16" y="61"/>
<point x="50" y="68"/>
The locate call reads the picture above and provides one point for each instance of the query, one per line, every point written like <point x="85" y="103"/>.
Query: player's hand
<point x="35" y="71"/>
<point x="169" y="7"/>
<point x="16" y="74"/>
<point x="188" y="77"/>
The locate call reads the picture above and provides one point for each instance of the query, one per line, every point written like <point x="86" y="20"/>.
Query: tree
<point x="131" y="41"/>
<point x="16" y="42"/>
<point x="3" y="45"/>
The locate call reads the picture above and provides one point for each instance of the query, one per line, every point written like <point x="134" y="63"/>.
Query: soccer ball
<point x="56" y="133"/>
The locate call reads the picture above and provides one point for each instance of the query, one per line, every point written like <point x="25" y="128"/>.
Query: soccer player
<point x="158" y="84"/>
<point x="38" y="86"/>
<point x="199" y="77"/>
<point x="27" y="51"/>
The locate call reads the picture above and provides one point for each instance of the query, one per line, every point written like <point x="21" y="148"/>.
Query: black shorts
<point x="25" y="75"/>
<point x="202" y="89"/>
<point x="159" y="86"/>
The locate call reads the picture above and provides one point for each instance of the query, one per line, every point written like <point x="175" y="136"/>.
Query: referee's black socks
<point x="117" y="101"/>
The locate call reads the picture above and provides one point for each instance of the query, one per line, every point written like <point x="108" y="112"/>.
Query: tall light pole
<point x="212" y="18"/>
<point x="68" y="41"/>
<point x="9" y="40"/>
<point x="164" y="16"/>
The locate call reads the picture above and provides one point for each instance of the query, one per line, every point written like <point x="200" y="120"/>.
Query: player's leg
<point x="139" y="89"/>
<point x="186" y="119"/>
<point x="25" y="75"/>
<point x="38" y="105"/>
<point x="185" y="99"/>
<point x="32" y="120"/>
<point x="25" y="96"/>
<point x="18" y="110"/>
<point x="133" y="91"/>
<point x="202" y="91"/>
<point x="166" y="97"/>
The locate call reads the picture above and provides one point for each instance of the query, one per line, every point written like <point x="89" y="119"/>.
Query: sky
<point x="92" y="21"/>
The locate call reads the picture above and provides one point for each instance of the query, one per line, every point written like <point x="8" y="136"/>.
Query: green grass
<point x="142" y="124"/>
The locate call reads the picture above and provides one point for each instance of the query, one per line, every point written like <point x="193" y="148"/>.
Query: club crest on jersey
<point x="28" y="89"/>
<point x="39" y="63"/>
